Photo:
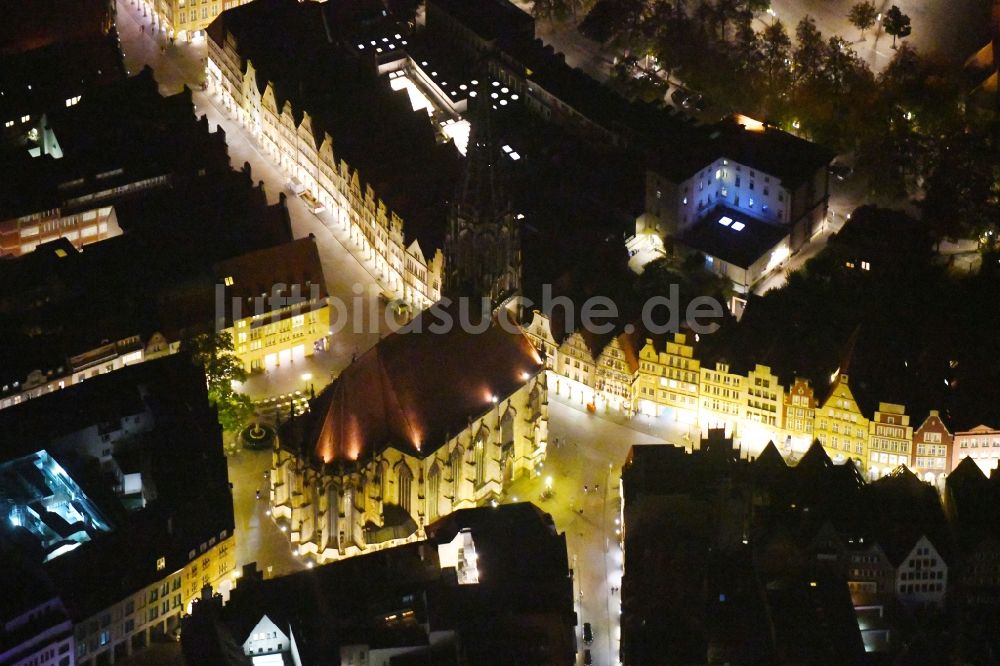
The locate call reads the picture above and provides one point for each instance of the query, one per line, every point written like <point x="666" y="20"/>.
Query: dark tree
<point x="775" y="48"/>
<point x="808" y="55"/>
<point x="756" y="6"/>
<point x="963" y="187"/>
<point x="896" y="24"/>
<point x="862" y="16"/>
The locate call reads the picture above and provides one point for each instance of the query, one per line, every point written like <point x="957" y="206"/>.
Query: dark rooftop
<point x="295" y="264"/>
<point x="489" y="19"/>
<point x="153" y="278"/>
<point x="741" y="241"/>
<point x="513" y="614"/>
<point x="99" y="138"/>
<point x="52" y="21"/>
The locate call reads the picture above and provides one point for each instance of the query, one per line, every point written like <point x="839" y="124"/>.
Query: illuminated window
<point x="25" y="119"/>
<point x="9" y="123"/>
<point x="298" y="320"/>
<point x="738" y="226"/>
<point x="725" y="221"/>
<point x="865" y="266"/>
<point x="228" y="280"/>
<point x="161" y="564"/>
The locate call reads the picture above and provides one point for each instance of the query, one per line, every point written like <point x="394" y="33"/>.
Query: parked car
<point x="588" y="660"/>
<point x="841" y="171"/>
<point x="588" y="633"/>
<point x="296" y="187"/>
<point x="681" y="97"/>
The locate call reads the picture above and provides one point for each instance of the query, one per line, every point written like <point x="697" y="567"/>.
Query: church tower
<point x="483" y="244"/>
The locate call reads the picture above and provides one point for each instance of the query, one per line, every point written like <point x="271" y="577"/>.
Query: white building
<point x="922" y="576"/>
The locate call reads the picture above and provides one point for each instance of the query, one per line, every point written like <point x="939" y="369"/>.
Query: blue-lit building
<point x="101" y="506"/>
<point x="39" y="498"/>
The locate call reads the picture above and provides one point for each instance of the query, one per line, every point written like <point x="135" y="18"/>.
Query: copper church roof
<point x="414" y="390"/>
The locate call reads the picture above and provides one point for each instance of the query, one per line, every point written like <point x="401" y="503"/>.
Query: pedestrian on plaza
<point x="585" y="489"/>
<point x="143" y="28"/>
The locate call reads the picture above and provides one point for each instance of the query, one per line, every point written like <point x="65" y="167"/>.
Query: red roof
<point x="414" y="390"/>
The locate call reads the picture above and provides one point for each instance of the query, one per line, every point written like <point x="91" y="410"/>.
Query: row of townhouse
<point x="632" y="377"/>
<point x="307" y="156"/>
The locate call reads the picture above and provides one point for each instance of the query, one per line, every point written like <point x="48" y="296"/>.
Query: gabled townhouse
<point x="890" y="438"/>
<point x="921" y="576"/>
<point x="667" y="382"/>
<point x="840" y="425"/>
<point x="932" y="448"/>
<point x="799" y="415"/>
<point x="721" y="398"/>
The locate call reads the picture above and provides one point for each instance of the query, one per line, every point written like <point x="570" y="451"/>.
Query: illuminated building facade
<point x="840" y="425"/>
<point x="613" y="374"/>
<point x="890" y="439"/>
<point x="763" y="397"/>
<point x="667" y="382"/>
<point x="799" y="414"/>
<point x="276" y="304"/>
<point x="417" y="427"/>
<point x="604" y="382"/>
<point x="576" y="367"/>
<point x="981" y="443"/>
<point x="932" y="448"/>
<point x="756" y="170"/>
<point x="187" y="19"/>
<point x="721" y="398"/>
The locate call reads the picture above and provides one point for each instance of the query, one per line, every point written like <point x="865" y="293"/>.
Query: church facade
<point x="421" y="425"/>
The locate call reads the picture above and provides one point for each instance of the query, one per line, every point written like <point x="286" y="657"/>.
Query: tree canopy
<point x="222" y="367"/>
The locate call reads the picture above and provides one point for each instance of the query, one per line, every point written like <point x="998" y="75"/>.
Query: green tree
<point x="896" y="24"/>
<point x="862" y="16"/>
<point x="214" y="352"/>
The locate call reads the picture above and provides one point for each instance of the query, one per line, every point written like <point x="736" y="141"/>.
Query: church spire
<point x="483" y="245"/>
